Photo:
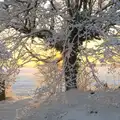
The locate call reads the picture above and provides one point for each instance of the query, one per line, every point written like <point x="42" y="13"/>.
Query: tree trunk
<point x="70" y="64"/>
<point x="2" y="90"/>
<point x="70" y="67"/>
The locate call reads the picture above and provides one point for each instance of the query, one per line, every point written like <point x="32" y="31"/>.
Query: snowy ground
<point x="72" y="105"/>
<point x="76" y="105"/>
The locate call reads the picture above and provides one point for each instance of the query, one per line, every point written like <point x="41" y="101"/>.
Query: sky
<point x="1" y="0"/>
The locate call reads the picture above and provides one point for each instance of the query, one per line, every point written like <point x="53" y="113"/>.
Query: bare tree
<point x="63" y="24"/>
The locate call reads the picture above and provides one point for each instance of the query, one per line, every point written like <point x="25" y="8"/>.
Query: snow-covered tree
<point x="9" y="68"/>
<point x="64" y="25"/>
<point x="3" y="55"/>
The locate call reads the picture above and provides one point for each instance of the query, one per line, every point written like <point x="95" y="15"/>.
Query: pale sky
<point x="1" y="0"/>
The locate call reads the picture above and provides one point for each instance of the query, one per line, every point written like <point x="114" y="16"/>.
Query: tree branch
<point x="34" y="56"/>
<point x="105" y="7"/>
<point x="80" y="4"/>
<point x="53" y="6"/>
<point x="85" y="4"/>
<point x="69" y="8"/>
